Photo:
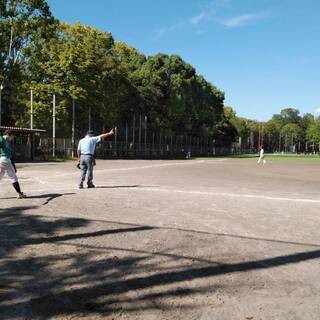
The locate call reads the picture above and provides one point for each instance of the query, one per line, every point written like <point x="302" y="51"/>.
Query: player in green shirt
<point x="6" y="164"/>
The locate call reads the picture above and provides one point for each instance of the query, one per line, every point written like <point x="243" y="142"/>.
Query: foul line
<point x="232" y="195"/>
<point x="190" y="192"/>
<point x="142" y="167"/>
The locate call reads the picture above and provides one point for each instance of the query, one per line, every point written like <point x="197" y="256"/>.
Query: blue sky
<point x="264" y="54"/>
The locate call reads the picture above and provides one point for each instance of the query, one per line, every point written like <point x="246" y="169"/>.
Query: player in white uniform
<point x="261" y="156"/>
<point x="6" y="164"/>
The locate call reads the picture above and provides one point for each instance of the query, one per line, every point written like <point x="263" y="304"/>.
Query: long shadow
<point x="42" y="284"/>
<point x="48" y="196"/>
<point x="73" y="236"/>
<point x="118" y="187"/>
<point x="219" y="234"/>
<point x="113" y="285"/>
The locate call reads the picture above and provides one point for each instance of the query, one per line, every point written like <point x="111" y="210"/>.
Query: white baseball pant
<point x="7" y="167"/>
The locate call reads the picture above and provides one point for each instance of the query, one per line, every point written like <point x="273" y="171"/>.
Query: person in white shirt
<point x="261" y="156"/>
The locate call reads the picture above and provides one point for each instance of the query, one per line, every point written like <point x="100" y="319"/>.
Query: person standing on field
<point x="261" y="156"/>
<point x="6" y="164"/>
<point x="86" y="149"/>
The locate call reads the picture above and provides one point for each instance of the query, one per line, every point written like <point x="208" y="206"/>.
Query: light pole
<point x="73" y="124"/>
<point x="31" y="109"/>
<point x="1" y="88"/>
<point x="54" y="126"/>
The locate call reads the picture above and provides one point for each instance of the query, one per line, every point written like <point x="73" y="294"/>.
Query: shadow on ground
<point x="82" y="279"/>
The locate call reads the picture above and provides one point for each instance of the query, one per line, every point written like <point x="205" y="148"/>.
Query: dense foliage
<point x="286" y="131"/>
<point x="110" y="80"/>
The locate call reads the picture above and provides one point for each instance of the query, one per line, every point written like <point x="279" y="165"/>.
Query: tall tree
<point x="21" y="22"/>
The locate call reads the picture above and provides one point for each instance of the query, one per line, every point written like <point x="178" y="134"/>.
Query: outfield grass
<point x="268" y="157"/>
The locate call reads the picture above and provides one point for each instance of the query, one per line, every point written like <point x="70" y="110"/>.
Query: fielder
<point x="86" y="149"/>
<point x="261" y="156"/>
<point x="6" y="164"/>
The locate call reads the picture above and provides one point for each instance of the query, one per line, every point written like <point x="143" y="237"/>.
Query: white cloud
<point x="242" y="20"/>
<point x="317" y="110"/>
<point x="163" y="31"/>
<point x="206" y="14"/>
<point x="198" y="18"/>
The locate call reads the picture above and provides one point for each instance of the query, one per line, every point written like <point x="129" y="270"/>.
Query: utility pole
<point x="140" y="128"/>
<point x="259" y="135"/>
<point x="89" y="117"/>
<point x="145" y="134"/>
<point x="133" y="130"/>
<point x="73" y="125"/>
<point x="31" y="109"/>
<point x="1" y="88"/>
<point x="126" y="138"/>
<point x="54" y="127"/>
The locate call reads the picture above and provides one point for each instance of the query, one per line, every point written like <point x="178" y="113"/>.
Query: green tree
<point x="76" y="64"/>
<point x="272" y="131"/>
<point x="313" y="131"/>
<point x="291" y="134"/>
<point x="21" y="22"/>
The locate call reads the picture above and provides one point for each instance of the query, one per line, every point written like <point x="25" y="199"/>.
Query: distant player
<point x="6" y="164"/>
<point x="261" y="156"/>
<point x="86" y="149"/>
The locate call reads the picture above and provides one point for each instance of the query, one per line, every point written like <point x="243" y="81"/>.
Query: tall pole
<point x="1" y="88"/>
<point x="140" y="128"/>
<point x="145" y="134"/>
<point x="116" y="141"/>
<point x="133" y="129"/>
<point x="31" y="124"/>
<point x="259" y="135"/>
<point x="89" y="118"/>
<point x="31" y="109"/>
<point x="54" y="126"/>
<point x="126" y="138"/>
<point x="279" y="142"/>
<point x="73" y="125"/>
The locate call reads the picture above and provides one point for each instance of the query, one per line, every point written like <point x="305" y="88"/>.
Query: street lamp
<point x="1" y="88"/>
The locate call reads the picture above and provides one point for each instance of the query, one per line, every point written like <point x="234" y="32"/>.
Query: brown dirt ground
<point x="200" y="239"/>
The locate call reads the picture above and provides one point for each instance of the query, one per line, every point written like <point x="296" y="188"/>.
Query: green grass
<point x="273" y="157"/>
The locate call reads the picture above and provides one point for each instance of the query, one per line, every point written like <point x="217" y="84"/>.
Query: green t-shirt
<point x="5" y="148"/>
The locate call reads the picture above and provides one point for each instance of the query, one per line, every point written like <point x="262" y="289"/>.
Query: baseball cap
<point x="8" y="133"/>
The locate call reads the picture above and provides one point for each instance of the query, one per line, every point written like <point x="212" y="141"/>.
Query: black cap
<point x="8" y="133"/>
<point x="90" y="132"/>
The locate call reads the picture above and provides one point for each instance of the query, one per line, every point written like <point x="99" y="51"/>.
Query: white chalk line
<point x="76" y="173"/>
<point x="190" y="192"/>
<point x="232" y="195"/>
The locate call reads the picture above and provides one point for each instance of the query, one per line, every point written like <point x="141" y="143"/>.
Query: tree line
<point x="110" y="82"/>
<point x="287" y="131"/>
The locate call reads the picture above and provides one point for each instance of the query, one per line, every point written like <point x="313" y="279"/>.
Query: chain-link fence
<point x="179" y="147"/>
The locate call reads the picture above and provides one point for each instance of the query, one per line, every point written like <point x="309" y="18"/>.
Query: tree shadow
<point x="43" y="274"/>
<point x="118" y="187"/>
<point x="48" y="196"/>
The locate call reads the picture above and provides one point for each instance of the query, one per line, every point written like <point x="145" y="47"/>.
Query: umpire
<point x="86" y="149"/>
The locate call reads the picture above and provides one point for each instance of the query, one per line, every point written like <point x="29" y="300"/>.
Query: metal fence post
<point x="54" y="126"/>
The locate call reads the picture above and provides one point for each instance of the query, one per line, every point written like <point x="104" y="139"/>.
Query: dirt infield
<point x="200" y="239"/>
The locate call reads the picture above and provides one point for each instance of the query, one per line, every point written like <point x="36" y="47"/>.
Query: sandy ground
<point x="201" y="239"/>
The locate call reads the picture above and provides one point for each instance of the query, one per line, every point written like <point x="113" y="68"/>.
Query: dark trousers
<point x="86" y="166"/>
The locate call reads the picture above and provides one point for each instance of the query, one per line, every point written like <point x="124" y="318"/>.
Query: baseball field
<point x="200" y="239"/>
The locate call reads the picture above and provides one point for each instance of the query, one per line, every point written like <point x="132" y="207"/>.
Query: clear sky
<point x="264" y="54"/>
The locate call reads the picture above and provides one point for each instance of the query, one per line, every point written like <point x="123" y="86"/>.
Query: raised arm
<point x="108" y="134"/>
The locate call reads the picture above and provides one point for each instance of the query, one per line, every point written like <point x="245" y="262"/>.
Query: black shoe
<point x="90" y="186"/>
<point x="80" y="186"/>
<point x="21" y="195"/>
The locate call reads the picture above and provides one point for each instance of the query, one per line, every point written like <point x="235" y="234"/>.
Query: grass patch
<point x="272" y="157"/>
